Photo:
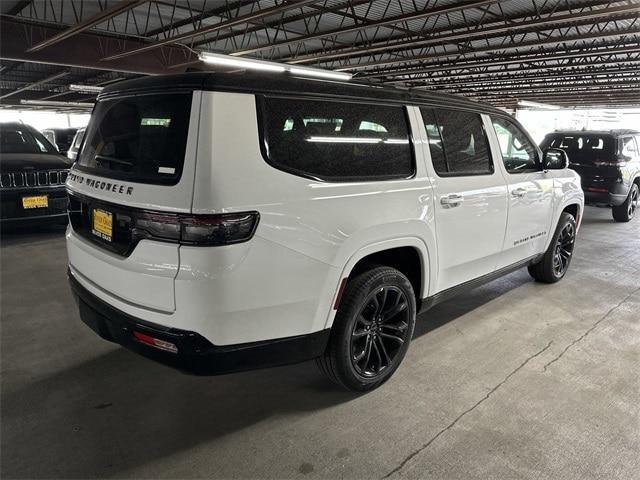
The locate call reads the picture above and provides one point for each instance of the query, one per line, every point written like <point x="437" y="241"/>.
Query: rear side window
<point x="457" y="142"/>
<point x="141" y="139"/>
<point x="336" y="141"/>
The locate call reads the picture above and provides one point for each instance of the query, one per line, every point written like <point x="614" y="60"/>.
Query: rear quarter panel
<point x="335" y="224"/>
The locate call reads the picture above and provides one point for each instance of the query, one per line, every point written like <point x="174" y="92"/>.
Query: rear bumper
<point x="609" y="189"/>
<point x="601" y="198"/>
<point x="195" y="354"/>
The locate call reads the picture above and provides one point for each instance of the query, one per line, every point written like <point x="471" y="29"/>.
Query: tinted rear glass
<point x="582" y="148"/>
<point x="141" y="139"/>
<point x="337" y="141"/>
<point x="457" y="142"/>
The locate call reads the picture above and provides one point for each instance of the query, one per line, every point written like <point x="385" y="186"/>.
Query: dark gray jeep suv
<point x="608" y="163"/>
<point x="32" y="177"/>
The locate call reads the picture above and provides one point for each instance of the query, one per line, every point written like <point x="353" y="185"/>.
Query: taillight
<point x="211" y="230"/>
<point x="619" y="161"/>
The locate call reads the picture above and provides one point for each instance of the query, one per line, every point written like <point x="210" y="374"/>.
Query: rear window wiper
<point x="113" y="160"/>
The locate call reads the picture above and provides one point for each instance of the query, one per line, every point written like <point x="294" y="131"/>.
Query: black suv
<point x="608" y="163"/>
<point x="61" y="138"/>
<point x="32" y="177"/>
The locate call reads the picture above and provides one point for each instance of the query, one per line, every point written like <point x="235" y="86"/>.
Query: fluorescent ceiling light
<point x="317" y="72"/>
<point x="52" y="103"/>
<point x="228" y="61"/>
<point x="544" y="106"/>
<point x="85" y="88"/>
<point x="252" y="64"/>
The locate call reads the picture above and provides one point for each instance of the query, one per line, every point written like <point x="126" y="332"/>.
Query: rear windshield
<point x="23" y="140"/>
<point x="582" y="148"/>
<point x="141" y="139"/>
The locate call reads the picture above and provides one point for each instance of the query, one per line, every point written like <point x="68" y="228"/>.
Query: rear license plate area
<point x="102" y="224"/>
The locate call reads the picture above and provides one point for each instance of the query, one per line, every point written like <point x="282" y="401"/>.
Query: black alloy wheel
<point x="372" y="329"/>
<point x="379" y="331"/>
<point x="633" y="203"/>
<point x="553" y="265"/>
<point x="627" y="210"/>
<point x="564" y="249"/>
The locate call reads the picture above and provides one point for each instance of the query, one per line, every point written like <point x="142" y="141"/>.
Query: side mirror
<point x="555" y="159"/>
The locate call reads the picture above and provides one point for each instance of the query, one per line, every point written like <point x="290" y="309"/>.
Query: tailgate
<point x="144" y="279"/>
<point x="138" y="155"/>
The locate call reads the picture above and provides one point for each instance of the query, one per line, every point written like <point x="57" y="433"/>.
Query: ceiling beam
<point x="35" y="84"/>
<point x="96" y="19"/>
<point x="558" y="88"/>
<point x="442" y="10"/>
<point x="196" y="18"/>
<point x="510" y="60"/>
<point x="494" y="49"/>
<point x="84" y="50"/>
<point x="509" y="26"/>
<point x="316" y="11"/>
<point x="488" y="75"/>
<point x="511" y="78"/>
<point x="288" y="5"/>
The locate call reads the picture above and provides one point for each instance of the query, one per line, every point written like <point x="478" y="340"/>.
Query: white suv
<point x="222" y="222"/>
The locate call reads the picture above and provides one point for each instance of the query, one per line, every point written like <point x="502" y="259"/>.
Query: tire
<point x="366" y="346"/>
<point x="556" y="260"/>
<point x="626" y="211"/>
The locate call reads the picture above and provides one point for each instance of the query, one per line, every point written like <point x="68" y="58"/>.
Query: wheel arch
<point x="574" y="210"/>
<point x="409" y="255"/>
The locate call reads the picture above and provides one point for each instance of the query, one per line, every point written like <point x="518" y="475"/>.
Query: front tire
<point x="626" y="211"/>
<point x="556" y="260"/>
<point x="372" y="330"/>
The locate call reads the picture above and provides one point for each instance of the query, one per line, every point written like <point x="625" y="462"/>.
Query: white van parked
<point x="222" y="222"/>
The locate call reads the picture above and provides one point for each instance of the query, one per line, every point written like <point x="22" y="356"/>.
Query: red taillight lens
<point x="597" y="190"/>
<point x="212" y="230"/>
<point x="155" y="342"/>
<point x="219" y="229"/>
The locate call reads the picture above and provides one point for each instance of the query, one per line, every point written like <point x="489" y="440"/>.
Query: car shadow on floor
<point x="153" y="411"/>
<point x="23" y="234"/>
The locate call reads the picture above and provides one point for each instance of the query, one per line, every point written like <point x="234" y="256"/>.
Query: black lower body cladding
<point x="195" y="354"/>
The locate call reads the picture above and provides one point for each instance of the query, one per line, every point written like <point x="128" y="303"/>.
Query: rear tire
<point x="556" y="260"/>
<point x="626" y="211"/>
<point x="372" y="330"/>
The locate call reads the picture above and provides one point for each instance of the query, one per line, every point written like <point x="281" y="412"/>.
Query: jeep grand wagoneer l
<point x="222" y="222"/>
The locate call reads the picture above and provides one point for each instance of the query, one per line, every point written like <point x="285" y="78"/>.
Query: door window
<point x="518" y="153"/>
<point x="457" y="142"/>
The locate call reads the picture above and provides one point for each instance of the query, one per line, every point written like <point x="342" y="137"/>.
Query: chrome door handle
<point x="452" y="200"/>
<point x="519" y="192"/>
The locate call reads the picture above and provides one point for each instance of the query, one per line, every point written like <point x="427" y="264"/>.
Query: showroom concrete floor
<point x="514" y="380"/>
